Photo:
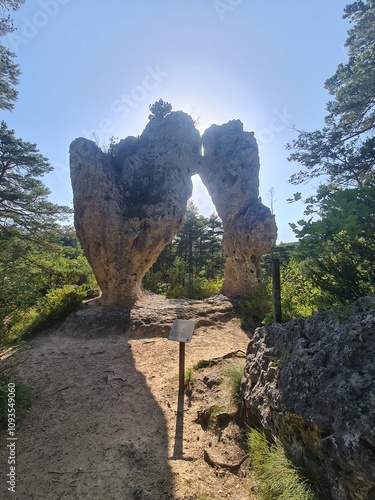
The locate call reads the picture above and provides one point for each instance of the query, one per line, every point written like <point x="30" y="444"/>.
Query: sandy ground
<point x="107" y="423"/>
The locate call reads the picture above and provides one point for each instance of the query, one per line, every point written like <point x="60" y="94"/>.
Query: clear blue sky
<point x="93" y="65"/>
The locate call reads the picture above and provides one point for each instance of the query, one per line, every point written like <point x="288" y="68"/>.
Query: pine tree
<point x="23" y="197"/>
<point x="338" y="238"/>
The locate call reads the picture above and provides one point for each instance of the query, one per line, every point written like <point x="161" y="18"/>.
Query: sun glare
<point x="201" y="197"/>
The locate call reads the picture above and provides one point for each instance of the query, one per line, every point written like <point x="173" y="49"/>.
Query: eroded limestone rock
<point x="230" y="171"/>
<point x="311" y="383"/>
<point x="129" y="205"/>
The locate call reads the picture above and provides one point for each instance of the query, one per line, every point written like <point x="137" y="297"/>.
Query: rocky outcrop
<point x="311" y="383"/>
<point x="130" y="203"/>
<point x="152" y="316"/>
<point x="230" y="171"/>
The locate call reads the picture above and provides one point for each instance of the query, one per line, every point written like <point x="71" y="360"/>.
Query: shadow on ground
<point x="87" y="433"/>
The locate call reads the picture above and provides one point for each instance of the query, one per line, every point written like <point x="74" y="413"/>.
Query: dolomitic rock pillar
<point x="230" y="171"/>
<point x="130" y="203"/>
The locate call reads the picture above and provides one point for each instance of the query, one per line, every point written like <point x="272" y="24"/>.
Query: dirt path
<point x="106" y="422"/>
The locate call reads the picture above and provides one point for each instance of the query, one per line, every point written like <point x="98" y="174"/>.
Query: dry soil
<point x="107" y="422"/>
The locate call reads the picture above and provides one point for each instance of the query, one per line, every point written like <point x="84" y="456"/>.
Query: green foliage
<point x="211" y="414"/>
<point x="278" y="476"/>
<point x="29" y="270"/>
<point x="6" y="23"/>
<point x="9" y="70"/>
<point x="192" y="265"/>
<point x="23" y="398"/>
<point x="23" y="197"/>
<point x="339" y="248"/>
<point x="54" y="306"/>
<point x="201" y="496"/>
<point x="344" y="149"/>
<point x="159" y="109"/>
<point x="37" y="255"/>
<point x="189" y="377"/>
<point x="199" y="288"/>
<point x="300" y="295"/>
<point x="234" y="376"/>
<point x="257" y="307"/>
<point x="360" y="306"/>
<point x="300" y="298"/>
<point x="337" y="240"/>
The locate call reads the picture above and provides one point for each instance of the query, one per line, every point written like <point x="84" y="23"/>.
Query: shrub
<point x="278" y="476"/>
<point x="199" y="288"/>
<point x="54" y="306"/>
<point x="257" y="306"/>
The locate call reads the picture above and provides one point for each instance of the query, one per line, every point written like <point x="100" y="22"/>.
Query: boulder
<point x="311" y="384"/>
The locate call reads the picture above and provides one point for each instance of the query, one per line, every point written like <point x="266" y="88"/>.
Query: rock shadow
<point x="94" y="429"/>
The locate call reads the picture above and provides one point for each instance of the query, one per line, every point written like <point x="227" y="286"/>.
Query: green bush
<point x="299" y="297"/>
<point x="279" y="478"/>
<point x="54" y="306"/>
<point x="199" y="288"/>
<point x="257" y="307"/>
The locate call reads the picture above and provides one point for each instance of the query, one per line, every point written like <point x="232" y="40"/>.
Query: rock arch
<point x="129" y="204"/>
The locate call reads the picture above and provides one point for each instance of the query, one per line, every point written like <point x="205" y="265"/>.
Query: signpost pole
<point x="182" y="331"/>
<point x="181" y="384"/>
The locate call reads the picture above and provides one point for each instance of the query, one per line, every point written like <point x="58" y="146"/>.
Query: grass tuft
<point x="234" y="376"/>
<point x="279" y="478"/>
<point x="189" y="378"/>
<point x="212" y="413"/>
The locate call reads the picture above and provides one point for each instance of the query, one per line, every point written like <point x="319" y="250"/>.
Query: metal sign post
<point x="182" y="331"/>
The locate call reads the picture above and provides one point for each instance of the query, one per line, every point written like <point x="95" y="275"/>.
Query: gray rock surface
<point x="311" y="383"/>
<point x="130" y="203"/>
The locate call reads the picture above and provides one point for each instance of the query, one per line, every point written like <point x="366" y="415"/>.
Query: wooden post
<point x="181" y="384"/>
<point x="276" y="290"/>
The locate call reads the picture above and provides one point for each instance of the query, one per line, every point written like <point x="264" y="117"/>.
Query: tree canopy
<point x="159" y="109"/>
<point x="23" y="196"/>
<point x="338" y="238"/>
<point x="344" y="149"/>
<point x="9" y="70"/>
<point x="6" y="23"/>
<point x="37" y="254"/>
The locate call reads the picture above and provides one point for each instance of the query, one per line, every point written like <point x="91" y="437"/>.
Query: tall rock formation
<point x="130" y="202"/>
<point x="230" y="171"/>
